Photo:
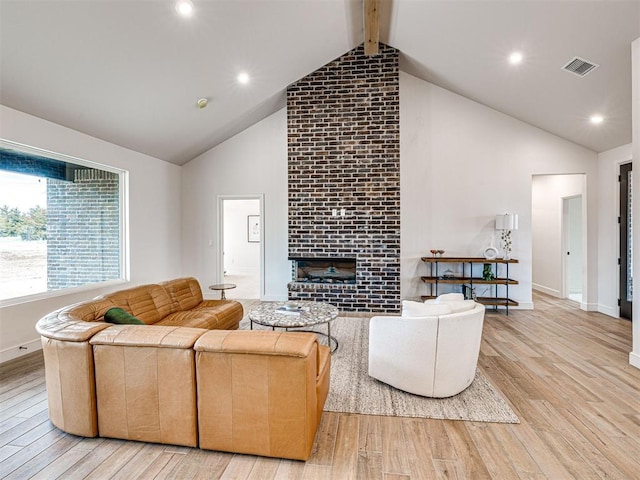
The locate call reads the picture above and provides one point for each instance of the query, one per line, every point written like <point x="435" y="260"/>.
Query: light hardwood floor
<point x="564" y="371"/>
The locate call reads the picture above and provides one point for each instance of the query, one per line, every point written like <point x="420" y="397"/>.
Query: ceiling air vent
<point x="579" y="66"/>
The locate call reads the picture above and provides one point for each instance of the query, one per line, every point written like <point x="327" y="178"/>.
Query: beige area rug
<point x="354" y="391"/>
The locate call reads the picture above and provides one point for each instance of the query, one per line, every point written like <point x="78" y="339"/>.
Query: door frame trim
<point x="220" y="235"/>
<point x="622" y="266"/>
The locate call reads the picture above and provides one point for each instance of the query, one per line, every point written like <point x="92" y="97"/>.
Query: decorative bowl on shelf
<point x="490" y="253"/>
<point x="448" y="274"/>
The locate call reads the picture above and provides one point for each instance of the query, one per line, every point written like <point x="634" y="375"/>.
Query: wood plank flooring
<point x="565" y="373"/>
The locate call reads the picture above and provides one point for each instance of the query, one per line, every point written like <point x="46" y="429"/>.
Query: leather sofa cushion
<point x="92" y="311"/>
<point x="191" y="318"/>
<point x="228" y="312"/>
<point x="149" y="303"/>
<point x="145" y="383"/>
<point x="185" y="293"/>
<point x="257" y="342"/>
<point x="139" y="335"/>
<point x="257" y="392"/>
<point x="323" y="377"/>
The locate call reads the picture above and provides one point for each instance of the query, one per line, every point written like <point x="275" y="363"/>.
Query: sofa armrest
<point x="60" y="325"/>
<point x="69" y="371"/>
<point x="459" y="339"/>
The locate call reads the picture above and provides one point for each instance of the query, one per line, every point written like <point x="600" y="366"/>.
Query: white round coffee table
<point x="296" y="314"/>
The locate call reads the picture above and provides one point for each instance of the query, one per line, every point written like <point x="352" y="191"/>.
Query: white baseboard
<point x="20" y="350"/>
<point x="611" y="311"/>
<point x="589" y="307"/>
<point x="634" y="359"/>
<point x="523" y="306"/>
<point x="549" y="291"/>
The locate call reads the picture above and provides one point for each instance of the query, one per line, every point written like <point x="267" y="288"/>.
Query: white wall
<point x="634" y="356"/>
<point x="608" y="232"/>
<point x="461" y="164"/>
<point x="547" y="192"/>
<point x="241" y="257"/>
<point x="251" y="163"/>
<point x="154" y="218"/>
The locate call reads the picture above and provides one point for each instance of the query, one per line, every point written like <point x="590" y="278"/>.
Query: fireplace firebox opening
<point x="336" y="270"/>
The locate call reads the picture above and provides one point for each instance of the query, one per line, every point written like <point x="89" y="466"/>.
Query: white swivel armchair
<point x="430" y="355"/>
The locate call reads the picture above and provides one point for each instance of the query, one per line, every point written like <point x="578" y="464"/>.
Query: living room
<point x="461" y="163"/>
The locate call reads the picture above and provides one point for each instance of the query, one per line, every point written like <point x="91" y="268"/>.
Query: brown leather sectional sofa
<point x="187" y="377"/>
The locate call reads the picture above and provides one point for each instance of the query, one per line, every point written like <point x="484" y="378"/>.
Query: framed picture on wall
<point x="253" y="228"/>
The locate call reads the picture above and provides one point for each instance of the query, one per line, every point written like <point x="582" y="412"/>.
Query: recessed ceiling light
<point x="515" y="58"/>
<point x="596" y="119"/>
<point x="243" y="78"/>
<point x="184" y="7"/>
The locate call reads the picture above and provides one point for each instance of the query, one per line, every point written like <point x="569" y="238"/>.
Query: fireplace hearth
<point x="324" y="270"/>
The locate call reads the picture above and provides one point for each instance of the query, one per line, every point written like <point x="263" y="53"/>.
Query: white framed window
<point x="62" y="224"/>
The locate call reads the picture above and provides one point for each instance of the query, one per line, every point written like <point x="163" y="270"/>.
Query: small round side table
<point x="222" y="287"/>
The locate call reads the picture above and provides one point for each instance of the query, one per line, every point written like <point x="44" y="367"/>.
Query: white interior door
<point x="573" y="241"/>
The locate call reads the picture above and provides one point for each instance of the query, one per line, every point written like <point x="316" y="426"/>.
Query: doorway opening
<point x="241" y="240"/>
<point x="559" y="239"/>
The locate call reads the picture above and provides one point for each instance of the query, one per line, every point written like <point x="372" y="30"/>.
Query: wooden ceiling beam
<point x="371" y="27"/>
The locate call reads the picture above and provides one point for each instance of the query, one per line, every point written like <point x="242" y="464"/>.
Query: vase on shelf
<point x="505" y="236"/>
<point x="487" y="273"/>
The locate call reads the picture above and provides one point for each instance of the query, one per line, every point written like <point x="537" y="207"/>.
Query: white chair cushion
<point x="449" y="297"/>
<point x="455" y="301"/>
<point x="418" y="309"/>
<point x="461" y="306"/>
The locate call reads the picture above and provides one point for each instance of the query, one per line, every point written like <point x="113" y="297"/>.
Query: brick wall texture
<point x="344" y="153"/>
<point x="83" y="239"/>
<point x="29" y="164"/>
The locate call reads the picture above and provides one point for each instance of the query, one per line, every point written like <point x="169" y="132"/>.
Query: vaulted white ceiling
<point x="130" y="72"/>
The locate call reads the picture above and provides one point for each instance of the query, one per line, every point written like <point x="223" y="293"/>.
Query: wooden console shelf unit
<point x="436" y="278"/>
